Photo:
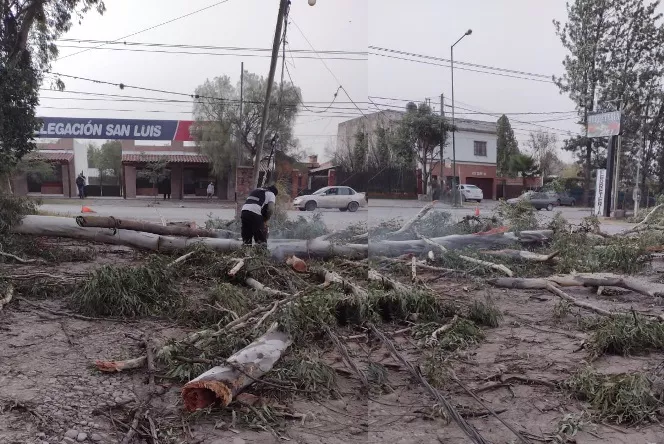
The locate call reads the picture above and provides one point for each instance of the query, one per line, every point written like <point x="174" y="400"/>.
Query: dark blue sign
<point x="117" y="129"/>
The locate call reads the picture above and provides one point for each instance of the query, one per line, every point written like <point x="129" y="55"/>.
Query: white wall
<point x="465" y="147"/>
<point x="81" y="159"/>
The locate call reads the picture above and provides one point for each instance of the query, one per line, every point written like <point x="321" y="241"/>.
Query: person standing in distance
<point x="80" y="184"/>
<point x="257" y="209"/>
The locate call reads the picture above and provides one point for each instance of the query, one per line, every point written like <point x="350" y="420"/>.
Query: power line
<point x="211" y="47"/>
<point x="158" y="51"/>
<point x="151" y="27"/>
<point x="461" y="68"/>
<point x="475" y="65"/>
<point x="66" y="91"/>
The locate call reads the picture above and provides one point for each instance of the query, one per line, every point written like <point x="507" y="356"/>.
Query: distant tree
<point x="217" y="101"/>
<point x="418" y="134"/>
<point x="28" y="30"/>
<point x="107" y="159"/>
<point x="544" y="147"/>
<point x="507" y="145"/>
<point x="525" y="166"/>
<point x="360" y="150"/>
<point x="155" y="172"/>
<point x="381" y="154"/>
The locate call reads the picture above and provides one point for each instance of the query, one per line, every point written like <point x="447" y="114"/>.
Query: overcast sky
<point x="509" y="34"/>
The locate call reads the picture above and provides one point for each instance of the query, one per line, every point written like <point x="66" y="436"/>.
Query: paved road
<point x="377" y="212"/>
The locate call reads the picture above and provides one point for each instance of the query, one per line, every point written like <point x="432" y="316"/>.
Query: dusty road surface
<point x="377" y="212"/>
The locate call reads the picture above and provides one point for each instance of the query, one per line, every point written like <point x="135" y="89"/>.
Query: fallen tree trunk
<point x="67" y="227"/>
<point x="147" y="227"/>
<point x="545" y="284"/>
<point x="522" y="255"/>
<point x="223" y="383"/>
<point x="602" y="280"/>
<point x="392" y="248"/>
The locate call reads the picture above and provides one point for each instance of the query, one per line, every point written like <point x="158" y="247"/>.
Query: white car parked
<point x="343" y="198"/>
<point x="471" y="192"/>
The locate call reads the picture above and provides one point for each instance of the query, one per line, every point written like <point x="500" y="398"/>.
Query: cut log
<point x="522" y="255"/>
<point x="236" y="268"/>
<point x="223" y="383"/>
<point x="118" y="366"/>
<point x="7" y="298"/>
<point x="54" y="226"/>
<point x="417" y="217"/>
<point x="147" y="227"/>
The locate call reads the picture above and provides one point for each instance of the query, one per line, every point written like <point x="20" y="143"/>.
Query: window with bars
<point x="480" y="148"/>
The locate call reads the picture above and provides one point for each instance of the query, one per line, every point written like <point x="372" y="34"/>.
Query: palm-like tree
<point x="524" y="165"/>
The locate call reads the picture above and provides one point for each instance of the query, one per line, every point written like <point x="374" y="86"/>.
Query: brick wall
<point x="244" y="182"/>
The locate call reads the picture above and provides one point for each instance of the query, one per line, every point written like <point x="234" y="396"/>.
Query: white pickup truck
<point x="343" y="198"/>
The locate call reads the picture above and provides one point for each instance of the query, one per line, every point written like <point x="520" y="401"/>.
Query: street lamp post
<point x="454" y="172"/>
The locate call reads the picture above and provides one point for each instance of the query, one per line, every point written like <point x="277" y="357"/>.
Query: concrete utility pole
<point x="442" y="166"/>
<point x="454" y="171"/>
<point x="283" y="5"/>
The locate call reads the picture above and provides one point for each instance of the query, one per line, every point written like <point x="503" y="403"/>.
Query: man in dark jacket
<point x="256" y="211"/>
<point x="80" y="184"/>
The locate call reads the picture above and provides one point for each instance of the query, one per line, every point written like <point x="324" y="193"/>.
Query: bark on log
<point x="224" y="382"/>
<point x="66" y="227"/>
<point x="147" y="227"/>
<point x="602" y="280"/>
<point x="522" y="255"/>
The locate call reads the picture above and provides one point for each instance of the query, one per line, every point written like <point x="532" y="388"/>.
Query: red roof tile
<point x="56" y="157"/>
<point x="172" y="158"/>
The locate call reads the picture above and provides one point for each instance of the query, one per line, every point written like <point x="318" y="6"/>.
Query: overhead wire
<point x="150" y="28"/>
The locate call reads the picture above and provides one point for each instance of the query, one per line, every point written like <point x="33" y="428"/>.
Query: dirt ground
<point x="51" y="393"/>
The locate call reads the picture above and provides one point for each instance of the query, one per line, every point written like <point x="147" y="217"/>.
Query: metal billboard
<point x="604" y="124"/>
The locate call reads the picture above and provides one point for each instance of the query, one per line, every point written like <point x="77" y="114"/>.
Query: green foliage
<point x="128" y="291"/>
<point x="464" y="333"/>
<point x="107" y="159"/>
<point x="360" y="151"/>
<point x="418" y="134"/>
<point x="625" y="335"/>
<point x="303" y="370"/>
<point x="518" y="216"/>
<point x="12" y="210"/>
<point x="28" y="31"/>
<point x="507" y="145"/>
<point x="620" y="398"/>
<point x="524" y="165"/>
<point x="280" y="227"/>
<point x="485" y="313"/>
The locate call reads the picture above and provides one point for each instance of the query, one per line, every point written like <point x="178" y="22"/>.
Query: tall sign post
<point x="606" y="124"/>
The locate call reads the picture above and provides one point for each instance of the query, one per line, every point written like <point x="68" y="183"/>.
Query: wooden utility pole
<point x="283" y="4"/>
<point x="273" y="147"/>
